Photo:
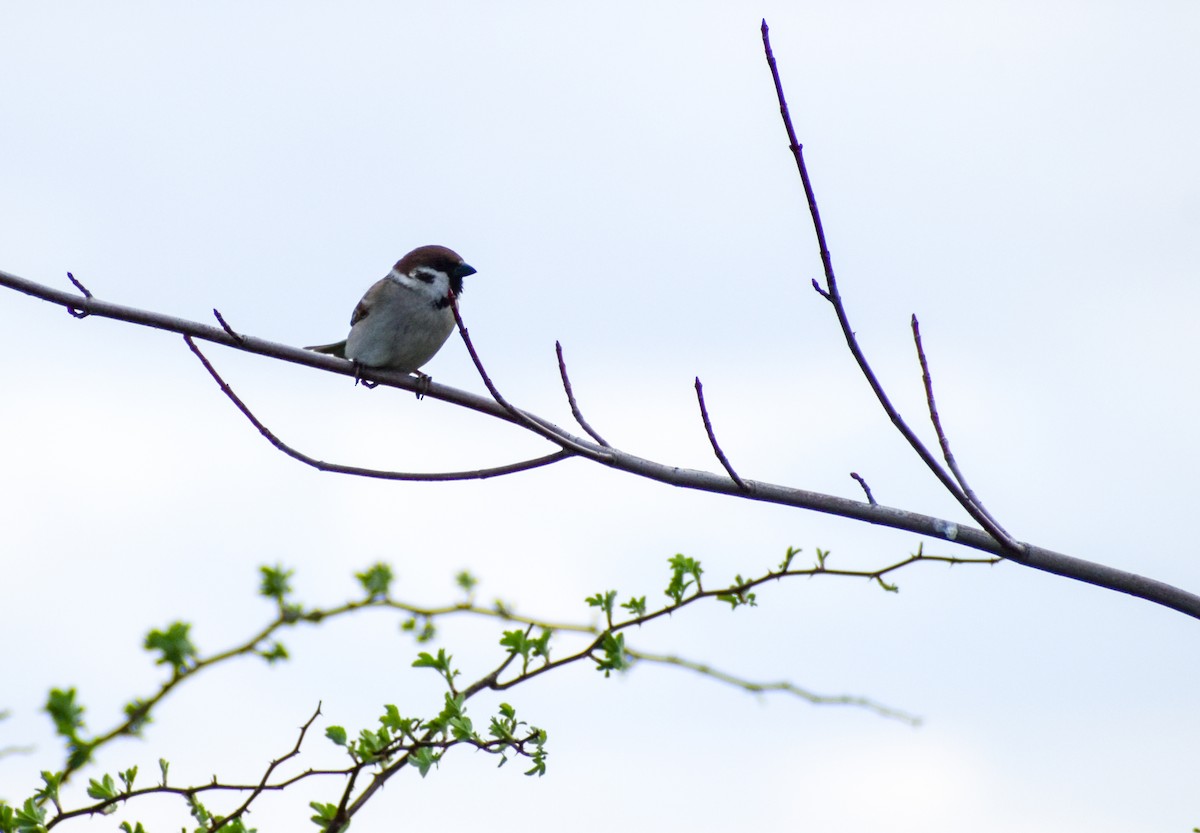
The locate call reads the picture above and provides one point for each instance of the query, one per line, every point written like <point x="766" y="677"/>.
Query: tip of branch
<point x="765" y="28"/>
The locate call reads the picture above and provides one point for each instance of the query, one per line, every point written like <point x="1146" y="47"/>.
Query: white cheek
<point x="439" y="287"/>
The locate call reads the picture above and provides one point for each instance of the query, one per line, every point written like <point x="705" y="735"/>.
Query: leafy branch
<point x="398" y="742"/>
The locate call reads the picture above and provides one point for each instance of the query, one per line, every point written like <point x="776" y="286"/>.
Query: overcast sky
<point x="1023" y="175"/>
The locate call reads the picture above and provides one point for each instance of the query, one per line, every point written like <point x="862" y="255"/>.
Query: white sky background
<point x="1021" y="175"/>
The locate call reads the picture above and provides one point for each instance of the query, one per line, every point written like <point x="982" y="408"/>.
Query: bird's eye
<point x="424" y="275"/>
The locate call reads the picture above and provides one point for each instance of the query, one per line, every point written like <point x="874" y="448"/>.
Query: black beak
<point x="463" y="269"/>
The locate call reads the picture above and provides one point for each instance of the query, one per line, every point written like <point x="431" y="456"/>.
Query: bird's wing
<point x="371" y="297"/>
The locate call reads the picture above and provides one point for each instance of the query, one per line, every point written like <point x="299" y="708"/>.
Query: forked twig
<point x="533" y="425"/>
<point x="321" y="465"/>
<point x="1013" y="548"/>
<point x="583" y="423"/>
<point x="265" y="780"/>
<point x="712" y="438"/>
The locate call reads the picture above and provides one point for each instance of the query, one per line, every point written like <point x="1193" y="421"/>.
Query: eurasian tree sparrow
<point x="405" y="318"/>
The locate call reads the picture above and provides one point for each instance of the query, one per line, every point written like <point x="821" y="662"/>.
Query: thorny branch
<point x="397" y="755"/>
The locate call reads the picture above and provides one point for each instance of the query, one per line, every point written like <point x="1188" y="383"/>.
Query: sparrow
<point x="405" y="317"/>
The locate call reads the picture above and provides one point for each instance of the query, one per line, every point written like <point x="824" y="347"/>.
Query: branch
<point x="1038" y="558"/>
<point x="1011" y="548"/>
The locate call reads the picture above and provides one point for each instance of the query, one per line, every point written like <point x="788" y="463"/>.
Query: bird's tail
<point x="338" y="348"/>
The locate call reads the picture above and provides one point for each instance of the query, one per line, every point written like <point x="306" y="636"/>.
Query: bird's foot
<point x="359" y="380"/>
<point x="424" y="380"/>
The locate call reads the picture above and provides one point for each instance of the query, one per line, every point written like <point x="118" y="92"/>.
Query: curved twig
<point x="712" y="438"/>
<point x="566" y="380"/>
<point x="866" y="489"/>
<point x="936" y="419"/>
<point x="358" y="471"/>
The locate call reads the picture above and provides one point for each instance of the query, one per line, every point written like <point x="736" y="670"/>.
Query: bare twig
<point x="936" y="419"/>
<point x="1012" y="548"/>
<point x="86" y="294"/>
<point x="867" y="489"/>
<point x="583" y="423"/>
<point x="783" y="686"/>
<point x="358" y="471"/>
<point x="225" y="326"/>
<point x="712" y="438"/>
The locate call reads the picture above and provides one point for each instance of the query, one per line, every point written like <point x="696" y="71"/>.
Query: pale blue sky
<point x="1021" y="175"/>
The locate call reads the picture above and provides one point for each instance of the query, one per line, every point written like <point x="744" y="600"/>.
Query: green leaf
<point x="275" y="582"/>
<point x="336" y="734"/>
<point x="174" y="644"/>
<point x="136" y="829"/>
<point x="426" y="660"/>
<point x="466" y="581"/>
<point x="325" y="813"/>
<point x="104" y="789"/>
<point x="737" y="595"/>
<point x="791" y="553"/>
<point x="52" y="781"/>
<point x="424" y="759"/>
<point x="137" y="712"/>
<point x="30" y="818"/>
<point x="615" y="658"/>
<point x="376" y="580"/>
<point x="636" y="605"/>
<point x="681" y="567"/>
<point x="276" y="653"/>
<point x="163" y="766"/>
<point x="604" y="601"/>
<point x="127" y="777"/>
<point x="67" y="716"/>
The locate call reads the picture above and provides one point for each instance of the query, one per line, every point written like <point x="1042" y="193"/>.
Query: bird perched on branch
<point x="405" y="317"/>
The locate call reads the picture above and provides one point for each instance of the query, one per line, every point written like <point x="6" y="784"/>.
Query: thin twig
<point x="583" y="423"/>
<point x="86" y="294"/>
<point x="224" y="326"/>
<point x="263" y="782"/>
<point x="1012" y="548"/>
<point x="870" y="497"/>
<point x="321" y="465"/>
<point x="936" y="419"/>
<point x="712" y="438"/>
<point x="783" y="685"/>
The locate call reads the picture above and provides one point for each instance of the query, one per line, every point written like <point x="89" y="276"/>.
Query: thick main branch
<point x="1036" y="557"/>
